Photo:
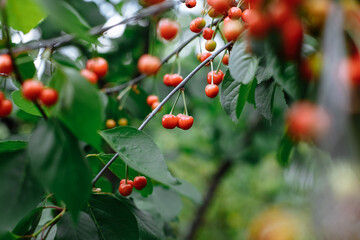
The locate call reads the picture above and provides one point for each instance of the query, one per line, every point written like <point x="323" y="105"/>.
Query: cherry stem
<point x="239" y="3"/>
<point x="126" y="173"/>
<point x="177" y="99"/>
<point x="178" y="66"/>
<point x="212" y="72"/>
<point x="183" y="97"/>
<point x="216" y="28"/>
<point x="218" y="67"/>
<point x="174" y="63"/>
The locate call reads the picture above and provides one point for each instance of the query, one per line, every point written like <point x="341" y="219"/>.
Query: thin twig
<point x="167" y="98"/>
<point x="163" y="61"/>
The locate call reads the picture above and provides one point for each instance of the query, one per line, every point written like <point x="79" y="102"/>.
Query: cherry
<point x="125" y="189"/>
<point x="98" y="65"/>
<point x="110" y="123"/>
<point x="218" y="77"/>
<point x="258" y="25"/>
<point x="31" y="89"/>
<point x="205" y="56"/>
<point x="279" y="13"/>
<point x="211" y="90"/>
<point x="148" y="65"/>
<point x="307" y="121"/>
<point x="154" y="105"/>
<point x="140" y="182"/>
<point x="232" y="30"/>
<point x="127" y="181"/>
<point x="167" y="29"/>
<point x="234" y="13"/>
<point x="89" y="75"/>
<point x="214" y="14"/>
<point x="48" y="96"/>
<point x="185" y="122"/>
<point x="247" y="15"/>
<point x="5" y="108"/>
<point x="210" y="45"/>
<point x="190" y="3"/>
<point x="152" y="99"/>
<point x="169" y="121"/>
<point x="6" y="65"/>
<point x="292" y="36"/>
<point x="207" y="33"/>
<point x="123" y="122"/>
<point x="221" y="6"/>
<point x="180" y="115"/>
<point x="197" y="25"/>
<point x="198" y="56"/>
<point x="175" y="80"/>
<point x="225" y="59"/>
<point x="167" y="80"/>
<point x="227" y="20"/>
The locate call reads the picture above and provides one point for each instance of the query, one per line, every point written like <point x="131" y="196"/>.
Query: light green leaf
<point x="25" y="105"/>
<point x="9" y="146"/>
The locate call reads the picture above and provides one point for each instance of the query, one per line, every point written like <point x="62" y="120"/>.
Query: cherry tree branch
<point x="163" y="61"/>
<point x="98" y="30"/>
<point x="167" y="98"/>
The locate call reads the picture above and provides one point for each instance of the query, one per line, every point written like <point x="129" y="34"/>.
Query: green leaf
<point x="26" y="66"/>
<point x="9" y="146"/>
<point x="58" y="163"/>
<point x="136" y="104"/>
<point x="264" y="98"/>
<point x="84" y="229"/>
<point x="263" y="73"/>
<point x="20" y="192"/>
<point x="7" y="236"/>
<point x="24" y="15"/>
<point x="80" y="106"/>
<point x="113" y="218"/>
<point x="284" y="150"/>
<point x="188" y="190"/>
<point x="233" y="96"/>
<point x="139" y="151"/>
<point x="67" y="18"/>
<point x="25" y="105"/>
<point x="118" y="168"/>
<point x="242" y="65"/>
<point x="28" y="224"/>
<point x="286" y="75"/>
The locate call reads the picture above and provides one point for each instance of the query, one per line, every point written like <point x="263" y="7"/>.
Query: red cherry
<point x="5" y="108"/>
<point x="31" y="89"/>
<point x="89" y="75"/>
<point x="232" y="30"/>
<point x="167" y="80"/>
<point x="234" y="13"/>
<point x="140" y="182"/>
<point x="98" y="65"/>
<point x="208" y="33"/>
<point x="227" y="20"/>
<point x="351" y="67"/>
<point x="48" y="96"/>
<point x="221" y="6"/>
<point x="279" y="12"/>
<point x="148" y="65"/>
<point x="258" y="25"/>
<point x="152" y="99"/>
<point x="225" y="59"/>
<point x="180" y="115"/>
<point x="210" y="45"/>
<point x="167" y="29"/>
<point x="155" y="105"/>
<point x="6" y="65"/>
<point x="218" y="77"/>
<point x="197" y="25"/>
<point x="205" y="56"/>
<point x="247" y="15"/>
<point x="175" y="80"/>
<point x="125" y="189"/>
<point x="292" y="36"/>
<point x="214" y="14"/>
<point x="190" y="3"/>
<point x="185" y="122"/>
<point x="127" y="181"/>
<point x="211" y="90"/>
<point x="169" y="121"/>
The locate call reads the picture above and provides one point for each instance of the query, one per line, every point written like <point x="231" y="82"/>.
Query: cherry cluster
<point x="111" y="123"/>
<point x="170" y="121"/>
<point x="34" y="90"/>
<point x="126" y="186"/>
<point x="152" y="101"/>
<point x="96" y="68"/>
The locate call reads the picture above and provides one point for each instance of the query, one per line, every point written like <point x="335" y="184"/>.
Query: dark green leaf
<point x="20" y="192"/>
<point x="264" y="98"/>
<point x="139" y="151"/>
<point x="244" y="93"/>
<point x="263" y="73"/>
<point x="80" y="105"/>
<point x="118" y="168"/>
<point x="25" y="105"/>
<point x="28" y="224"/>
<point x="58" y="163"/>
<point x="113" y="218"/>
<point x="7" y="236"/>
<point x="242" y="65"/>
<point x="284" y="150"/>
<point x="188" y="190"/>
<point x="9" y="146"/>
<point x="136" y="103"/>
<point x="25" y="64"/>
<point x="24" y="15"/>
<point x="84" y="229"/>
<point x="287" y="77"/>
<point x="89" y="11"/>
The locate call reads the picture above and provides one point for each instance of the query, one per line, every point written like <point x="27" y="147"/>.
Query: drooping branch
<point x="7" y="36"/>
<point x="167" y="98"/>
<point x="96" y="31"/>
<point x="163" y="61"/>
